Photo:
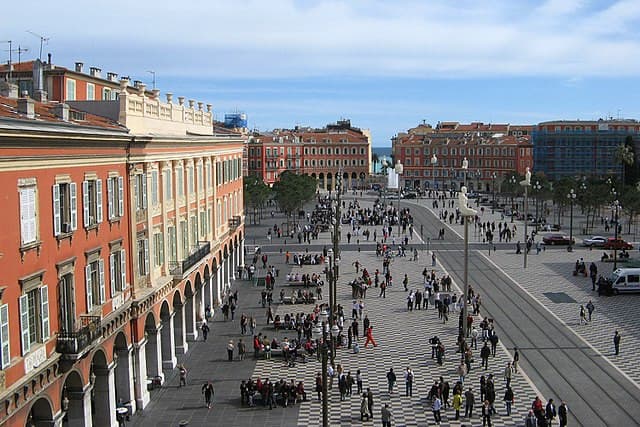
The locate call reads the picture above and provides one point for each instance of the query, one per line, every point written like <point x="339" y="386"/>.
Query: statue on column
<point x="463" y="201"/>
<point x="527" y="178"/>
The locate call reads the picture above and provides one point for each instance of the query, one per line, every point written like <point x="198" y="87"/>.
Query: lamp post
<point x="399" y="169"/>
<point x="465" y="166"/>
<point x="572" y="197"/>
<point x="537" y="188"/>
<point x="526" y="183"/>
<point x="322" y="352"/>
<point x="493" y="187"/>
<point x="434" y="161"/>
<point x="333" y="288"/>
<point x="513" y="181"/>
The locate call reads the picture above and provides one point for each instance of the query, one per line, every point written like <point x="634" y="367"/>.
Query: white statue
<point x="527" y="178"/>
<point x="463" y="200"/>
<point x="465" y="163"/>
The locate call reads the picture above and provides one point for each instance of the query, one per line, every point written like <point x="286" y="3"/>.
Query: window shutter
<point x="74" y="206"/>
<point x="87" y="278"/>
<point x="24" y="324"/>
<point x="123" y="269"/>
<point x="28" y="215"/>
<point x="44" y="312"/>
<point x="146" y="256"/>
<point x="4" y="336"/>
<point x="112" y="274"/>
<point x="57" y="225"/>
<point x="110" y="198"/>
<point x="98" y="200"/>
<point x="136" y="193"/>
<point x="120" y="196"/>
<point x="85" y="203"/>
<point x="101" y="269"/>
<point x="144" y="191"/>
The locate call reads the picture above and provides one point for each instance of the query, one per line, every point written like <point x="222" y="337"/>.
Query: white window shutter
<point x="120" y="196"/>
<point x="74" y="206"/>
<point x="110" y="198"/>
<point x="123" y="269"/>
<point x="112" y="274"/>
<point x="98" y="201"/>
<point x="146" y="256"/>
<point x="57" y="223"/>
<point x="101" y="269"/>
<point x="85" y="203"/>
<point x="136" y="193"/>
<point x="28" y="225"/>
<point x="87" y="278"/>
<point x="24" y="324"/>
<point x="5" y="347"/>
<point x="44" y="312"/>
<point x="144" y="191"/>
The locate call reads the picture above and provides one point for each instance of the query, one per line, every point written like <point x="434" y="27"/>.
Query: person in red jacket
<point x="256" y="346"/>
<point x="370" y="337"/>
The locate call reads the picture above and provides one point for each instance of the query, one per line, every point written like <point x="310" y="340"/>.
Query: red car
<point x="558" y="239"/>
<point x="613" y="243"/>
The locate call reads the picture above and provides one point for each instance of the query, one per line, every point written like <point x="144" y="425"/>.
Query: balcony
<point x="197" y="253"/>
<point x="73" y="345"/>
<point x="234" y="222"/>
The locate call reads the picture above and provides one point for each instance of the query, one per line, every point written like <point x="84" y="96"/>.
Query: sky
<point x="386" y="65"/>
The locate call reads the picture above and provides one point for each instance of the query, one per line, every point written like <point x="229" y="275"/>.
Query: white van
<point x="626" y="280"/>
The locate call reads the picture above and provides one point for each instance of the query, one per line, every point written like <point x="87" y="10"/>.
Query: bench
<point x="290" y="300"/>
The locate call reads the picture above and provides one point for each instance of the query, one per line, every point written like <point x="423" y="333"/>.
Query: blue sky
<point x="386" y="65"/>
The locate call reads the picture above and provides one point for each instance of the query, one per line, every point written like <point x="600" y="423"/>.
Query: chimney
<point x="79" y="66"/>
<point x="169" y="96"/>
<point x="61" y="111"/>
<point x="8" y="90"/>
<point x="94" y="71"/>
<point x="112" y="77"/>
<point x="136" y="84"/>
<point x="26" y="106"/>
<point x="49" y="58"/>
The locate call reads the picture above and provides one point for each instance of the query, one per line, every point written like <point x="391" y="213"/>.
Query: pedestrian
<point x="516" y="359"/>
<point x="207" y="390"/>
<point x="616" y="342"/>
<point x="457" y="402"/>
<point x="485" y="352"/>
<point x="391" y="379"/>
<point x="486" y="414"/>
<point x="363" y="407"/>
<point x="242" y="349"/>
<point x="531" y="420"/>
<point x="386" y="415"/>
<point x="433" y="259"/>
<point x="370" y="338"/>
<point x="436" y="407"/>
<point x="507" y="374"/>
<point x="469" y="401"/>
<point x="230" y="348"/>
<point x="370" y="402"/>
<point x="462" y="372"/>
<point x="359" y="381"/>
<point x="405" y="282"/>
<point x="205" y="330"/>
<point x="408" y="378"/>
<point x="590" y="309"/>
<point x="583" y="314"/>
<point x="183" y="375"/>
<point x="550" y="412"/>
<point x="508" y="399"/>
<point x="563" y="413"/>
<point x="319" y="385"/>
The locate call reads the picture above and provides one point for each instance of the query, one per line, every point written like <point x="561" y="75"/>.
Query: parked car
<point x="594" y="241"/>
<point x="558" y="239"/>
<point x="613" y="243"/>
<point x="409" y="195"/>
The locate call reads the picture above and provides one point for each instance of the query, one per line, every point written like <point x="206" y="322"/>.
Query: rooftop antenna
<point x="43" y="40"/>
<point x="10" y="50"/>
<point x="153" y="75"/>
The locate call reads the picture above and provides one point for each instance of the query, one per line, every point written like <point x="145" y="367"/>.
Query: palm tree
<point x="625" y="156"/>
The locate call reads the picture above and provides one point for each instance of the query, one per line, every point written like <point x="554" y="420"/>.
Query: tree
<point x="630" y="200"/>
<point x="256" y="193"/>
<point x="626" y="157"/>
<point x="292" y="191"/>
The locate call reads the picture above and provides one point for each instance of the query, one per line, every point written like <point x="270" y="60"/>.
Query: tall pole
<point x="526" y="217"/>
<point x="325" y="393"/>
<point x="615" y="247"/>
<point x="399" y="169"/>
<point x="466" y="278"/>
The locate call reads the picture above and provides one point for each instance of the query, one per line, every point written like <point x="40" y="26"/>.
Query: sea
<point x="381" y="152"/>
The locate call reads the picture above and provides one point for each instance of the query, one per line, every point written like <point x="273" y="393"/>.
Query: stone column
<point x="124" y="375"/>
<point x="79" y="413"/>
<point x="168" y="348"/>
<point x="217" y="294"/>
<point x="191" y="330"/>
<point x="180" y="331"/>
<point x="105" y="397"/>
<point x="207" y="293"/>
<point x="141" y="392"/>
<point x="242" y="253"/>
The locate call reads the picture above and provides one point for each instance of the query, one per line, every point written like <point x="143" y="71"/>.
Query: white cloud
<point x="281" y="38"/>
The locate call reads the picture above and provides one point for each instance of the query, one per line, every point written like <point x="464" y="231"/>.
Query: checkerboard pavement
<point x="402" y="339"/>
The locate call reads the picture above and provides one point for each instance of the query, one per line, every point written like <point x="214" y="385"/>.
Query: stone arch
<point x="123" y="369"/>
<point x="103" y="402"/>
<point x="192" y="306"/>
<point x="153" y="354"/>
<point x="167" y="347"/>
<point x="179" y="329"/>
<point x="41" y="413"/>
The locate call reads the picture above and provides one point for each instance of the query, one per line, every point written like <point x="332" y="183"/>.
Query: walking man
<point x="205" y="330"/>
<point x="562" y="414"/>
<point x="391" y="379"/>
<point x="616" y="342"/>
<point x="183" y="376"/>
<point x="516" y="359"/>
<point x="370" y="338"/>
<point x="208" y="392"/>
<point x="436" y="406"/>
<point x="469" y="400"/>
<point x="386" y="415"/>
<point x="590" y="309"/>
<point x="485" y="352"/>
<point x="408" y="377"/>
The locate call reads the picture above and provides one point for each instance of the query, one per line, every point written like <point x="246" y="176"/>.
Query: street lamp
<point x="526" y="183"/>
<point x="399" y="170"/>
<point x="466" y="213"/>
<point x="537" y="188"/>
<point x="434" y="161"/>
<point x="493" y="185"/>
<point x="513" y="181"/>
<point x="572" y="197"/>
<point x="322" y="352"/>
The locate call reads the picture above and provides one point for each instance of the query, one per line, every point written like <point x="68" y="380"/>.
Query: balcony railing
<point x="198" y="252"/>
<point x="234" y="222"/>
<point x="73" y="344"/>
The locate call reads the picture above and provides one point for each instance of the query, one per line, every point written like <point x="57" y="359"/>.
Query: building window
<point x="5" y="348"/>
<point x="67" y="303"/>
<point x="338" y="151"/>
<point x="179" y="181"/>
<point x="140" y="191"/>
<point x="190" y="180"/>
<point x="154" y="187"/>
<point x="171" y="244"/>
<point x="65" y="214"/>
<point x="115" y="197"/>
<point x="158" y="249"/>
<point x="28" y="215"/>
<point x="143" y="257"/>
<point x="203" y="224"/>
<point x="209" y="176"/>
<point x="194" y="229"/>
<point x="106" y="94"/>
<point x="117" y="271"/>
<point x="34" y="317"/>
<point x="166" y="183"/>
<point x="200" y="178"/>
<point x="94" y="280"/>
<point x="92" y="202"/>
<point x="91" y="92"/>
<point x="71" y="90"/>
<point x="185" y="238"/>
